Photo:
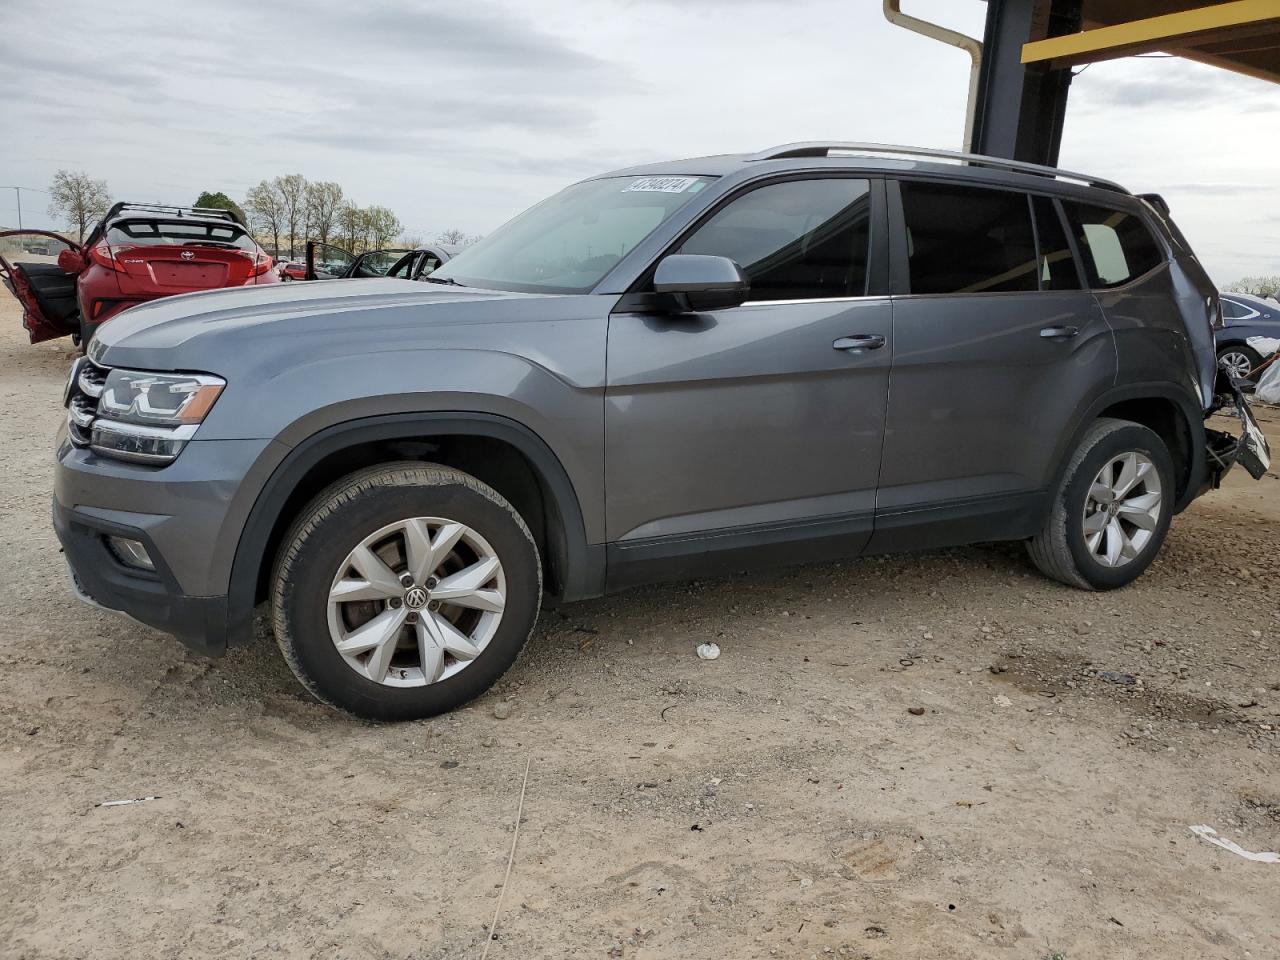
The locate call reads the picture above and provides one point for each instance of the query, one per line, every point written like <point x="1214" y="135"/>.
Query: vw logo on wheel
<point x="416" y="598"/>
<point x="188" y="255"/>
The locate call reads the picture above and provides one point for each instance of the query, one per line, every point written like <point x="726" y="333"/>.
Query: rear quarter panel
<point x="1162" y="331"/>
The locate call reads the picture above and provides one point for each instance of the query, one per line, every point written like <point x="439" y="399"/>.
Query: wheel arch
<point x="499" y="451"/>
<point x="1163" y="408"/>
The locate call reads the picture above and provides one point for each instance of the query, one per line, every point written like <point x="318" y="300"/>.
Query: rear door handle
<point x="863" y="341"/>
<point x="1059" y="333"/>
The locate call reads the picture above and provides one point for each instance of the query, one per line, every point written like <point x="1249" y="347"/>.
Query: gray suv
<point x="816" y="351"/>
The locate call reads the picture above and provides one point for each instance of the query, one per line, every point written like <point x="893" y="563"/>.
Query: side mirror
<point x="71" y="261"/>
<point x="701" y="283"/>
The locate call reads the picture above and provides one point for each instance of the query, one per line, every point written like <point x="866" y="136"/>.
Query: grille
<point x="84" y="389"/>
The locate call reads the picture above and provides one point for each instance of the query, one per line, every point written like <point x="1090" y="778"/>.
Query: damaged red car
<point x="137" y="252"/>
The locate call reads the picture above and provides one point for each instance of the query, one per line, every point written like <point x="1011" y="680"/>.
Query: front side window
<point x="968" y="239"/>
<point x="795" y="240"/>
<point x="1116" y="246"/>
<point x="567" y="243"/>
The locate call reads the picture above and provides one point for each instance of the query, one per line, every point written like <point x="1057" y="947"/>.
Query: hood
<point x="196" y="331"/>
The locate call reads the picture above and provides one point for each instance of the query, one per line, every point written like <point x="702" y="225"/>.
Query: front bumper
<point x="156" y="600"/>
<point x="189" y="528"/>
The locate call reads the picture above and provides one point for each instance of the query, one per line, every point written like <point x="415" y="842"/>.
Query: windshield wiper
<point x="445" y="280"/>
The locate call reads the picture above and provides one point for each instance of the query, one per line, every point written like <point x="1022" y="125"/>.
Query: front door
<point x="40" y="268"/>
<point x="755" y="428"/>
<point x="997" y="348"/>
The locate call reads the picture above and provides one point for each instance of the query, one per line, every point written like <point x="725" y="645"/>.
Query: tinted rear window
<point x="147" y="232"/>
<point x="1116" y="246"/>
<point x="1057" y="266"/>
<point x="968" y="239"/>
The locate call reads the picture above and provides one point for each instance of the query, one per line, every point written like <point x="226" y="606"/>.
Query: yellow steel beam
<point x="1170" y="30"/>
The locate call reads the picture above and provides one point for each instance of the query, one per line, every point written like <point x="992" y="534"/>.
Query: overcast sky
<point x="461" y="114"/>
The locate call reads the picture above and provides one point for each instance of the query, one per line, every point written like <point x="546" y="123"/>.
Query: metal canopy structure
<point x="1025" y="60"/>
<point x="1239" y="35"/>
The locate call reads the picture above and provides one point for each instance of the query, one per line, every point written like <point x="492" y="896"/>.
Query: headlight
<point x="149" y="417"/>
<point x="158" y="399"/>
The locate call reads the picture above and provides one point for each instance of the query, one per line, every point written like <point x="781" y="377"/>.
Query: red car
<point x="138" y="252"/>
<point x="293" y="271"/>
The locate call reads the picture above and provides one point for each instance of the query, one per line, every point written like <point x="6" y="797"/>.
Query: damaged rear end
<point x="1201" y="309"/>
<point x="1224" y="450"/>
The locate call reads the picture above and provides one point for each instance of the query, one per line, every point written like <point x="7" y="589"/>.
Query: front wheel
<point x="1111" y="511"/>
<point x="405" y="590"/>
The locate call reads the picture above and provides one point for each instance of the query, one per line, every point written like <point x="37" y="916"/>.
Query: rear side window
<point x="1116" y="246"/>
<point x="1057" y="266"/>
<point x="1232" y="310"/>
<point x="796" y="240"/>
<point x="968" y="239"/>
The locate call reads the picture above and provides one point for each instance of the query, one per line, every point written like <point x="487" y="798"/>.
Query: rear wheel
<point x="405" y="590"/>
<point x="1111" y="511"/>
<point x="1239" y="360"/>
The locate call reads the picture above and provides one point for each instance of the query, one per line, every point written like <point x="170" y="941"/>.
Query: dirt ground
<point x="782" y="801"/>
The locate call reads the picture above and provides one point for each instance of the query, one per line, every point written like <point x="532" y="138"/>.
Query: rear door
<point x="996" y="347"/>
<point x="756" y="427"/>
<point x="30" y="270"/>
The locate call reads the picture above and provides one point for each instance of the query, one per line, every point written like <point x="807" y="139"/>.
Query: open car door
<point x="325" y="261"/>
<point x="40" y="268"/>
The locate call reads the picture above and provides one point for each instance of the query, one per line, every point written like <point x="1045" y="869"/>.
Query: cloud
<point x="1220" y="189"/>
<point x="462" y="112"/>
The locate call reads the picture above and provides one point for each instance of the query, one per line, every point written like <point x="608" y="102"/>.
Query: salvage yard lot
<point x="783" y="800"/>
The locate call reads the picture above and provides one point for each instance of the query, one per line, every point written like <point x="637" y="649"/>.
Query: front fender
<point x="256" y="510"/>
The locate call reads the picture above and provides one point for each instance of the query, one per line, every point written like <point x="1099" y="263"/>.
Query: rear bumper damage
<point x="1223" y="450"/>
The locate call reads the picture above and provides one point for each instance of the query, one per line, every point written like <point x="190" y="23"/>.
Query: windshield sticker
<point x="661" y="185"/>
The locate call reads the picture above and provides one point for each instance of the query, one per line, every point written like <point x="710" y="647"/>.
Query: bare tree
<point x="1258" y="286"/>
<point x="324" y="204"/>
<point x="265" y="207"/>
<point x="293" y="197"/>
<point x="79" y="199"/>
<point x="351" y="225"/>
<point x="456" y="237"/>
<point x="383" y="226"/>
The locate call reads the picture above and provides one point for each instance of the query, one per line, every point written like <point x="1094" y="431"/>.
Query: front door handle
<point x="863" y="341"/>
<point x="1059" y="333"/>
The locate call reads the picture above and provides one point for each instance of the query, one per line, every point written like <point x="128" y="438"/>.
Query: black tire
<point x="1246" y="351"/>
<point x="333" y="523"/>
<point x="1060" y="550"/>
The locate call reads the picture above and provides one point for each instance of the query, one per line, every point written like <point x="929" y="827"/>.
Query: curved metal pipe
<point x="893" y="13"/>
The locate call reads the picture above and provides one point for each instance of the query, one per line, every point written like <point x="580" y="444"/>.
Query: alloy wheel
<point x="1122" y="509"/>
<point x="416" y="601"/>
<point x="1237" y="365"/>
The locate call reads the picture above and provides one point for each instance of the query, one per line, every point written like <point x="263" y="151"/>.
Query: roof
<point x="885" y="158"/>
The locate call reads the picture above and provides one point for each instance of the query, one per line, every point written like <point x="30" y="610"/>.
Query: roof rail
<point x="825" y="149"/>
<point x="174" y="211"/>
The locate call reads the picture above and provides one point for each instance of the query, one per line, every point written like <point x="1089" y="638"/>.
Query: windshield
<point x="567" y="243"/>
<point x="152" y="232"/>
